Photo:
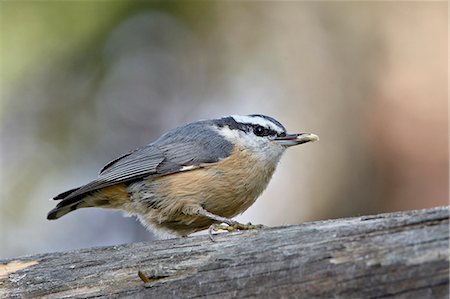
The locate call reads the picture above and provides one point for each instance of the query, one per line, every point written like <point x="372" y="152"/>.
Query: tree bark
<point x="396" y="255"/>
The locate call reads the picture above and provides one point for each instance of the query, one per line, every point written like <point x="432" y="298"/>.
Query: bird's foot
<point x="235" y="226"/>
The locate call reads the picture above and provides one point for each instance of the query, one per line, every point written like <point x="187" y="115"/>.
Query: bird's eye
<point x="259" y="131"/>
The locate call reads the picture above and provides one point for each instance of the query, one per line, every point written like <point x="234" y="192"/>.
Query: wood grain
<point x="397" y="255"/>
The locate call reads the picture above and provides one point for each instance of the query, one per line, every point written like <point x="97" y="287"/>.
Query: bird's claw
<point x="235" y="226"/>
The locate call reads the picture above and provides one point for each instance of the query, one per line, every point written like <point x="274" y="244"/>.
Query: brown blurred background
<point x="83" y="82"/>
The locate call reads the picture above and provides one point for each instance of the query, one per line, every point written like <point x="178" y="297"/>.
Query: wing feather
<point x="193" y="145"/>
<point x="137" y="164"/>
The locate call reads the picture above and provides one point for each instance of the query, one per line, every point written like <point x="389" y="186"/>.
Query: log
<point x="396" y="255"/>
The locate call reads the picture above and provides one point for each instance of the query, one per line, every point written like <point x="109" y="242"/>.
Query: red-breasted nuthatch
<point x="192" y="177"/>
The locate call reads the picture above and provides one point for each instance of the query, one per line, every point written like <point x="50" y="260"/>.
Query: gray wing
<point x="131" y="166"/>
<point x="191" y="145"/>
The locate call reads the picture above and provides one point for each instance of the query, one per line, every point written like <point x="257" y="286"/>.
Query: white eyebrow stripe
<point x="257" y="120"/>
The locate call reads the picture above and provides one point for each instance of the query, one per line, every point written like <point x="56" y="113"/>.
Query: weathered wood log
<point x="401" y="255"/>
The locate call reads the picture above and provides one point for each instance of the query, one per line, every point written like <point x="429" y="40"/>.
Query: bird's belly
<point x="231" y="196"/>
<point x="226" y="189"/>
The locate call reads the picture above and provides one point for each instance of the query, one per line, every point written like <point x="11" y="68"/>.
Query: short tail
<point x="65" y="194"/>
<point x="67" y="205"/>
<point x="85" y="196"/>
<point x="63" y="210"/>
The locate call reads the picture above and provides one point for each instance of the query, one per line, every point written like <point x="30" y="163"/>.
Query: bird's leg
<point x="232" y="224"/>
<point x="199" y="211"/>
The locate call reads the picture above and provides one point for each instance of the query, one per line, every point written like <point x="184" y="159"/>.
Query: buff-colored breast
<point x="226" y="188"/>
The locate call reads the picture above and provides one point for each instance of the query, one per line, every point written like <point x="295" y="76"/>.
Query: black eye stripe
<point x="259" y="130"/>
<point x="262" y="131"/>
<point x="231" y="123"/>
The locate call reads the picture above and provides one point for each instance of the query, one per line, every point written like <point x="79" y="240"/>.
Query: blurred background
<point x="83" y="82"/>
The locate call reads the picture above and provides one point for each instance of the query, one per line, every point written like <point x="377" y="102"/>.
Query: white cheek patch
<point x="257" y="121"/>
<point x="263" y="149"/>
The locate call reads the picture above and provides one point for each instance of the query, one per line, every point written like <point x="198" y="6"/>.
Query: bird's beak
<point x="295" y="139"/>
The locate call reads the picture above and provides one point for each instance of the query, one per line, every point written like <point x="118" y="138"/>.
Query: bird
<point x="192" y="178"/>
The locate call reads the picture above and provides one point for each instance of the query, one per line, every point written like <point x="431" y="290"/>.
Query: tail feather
<point x="67" y="204"/>
<point x="62" y="209"/>
<point x="65" y="194"/>
<point x="109" y="197"/>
